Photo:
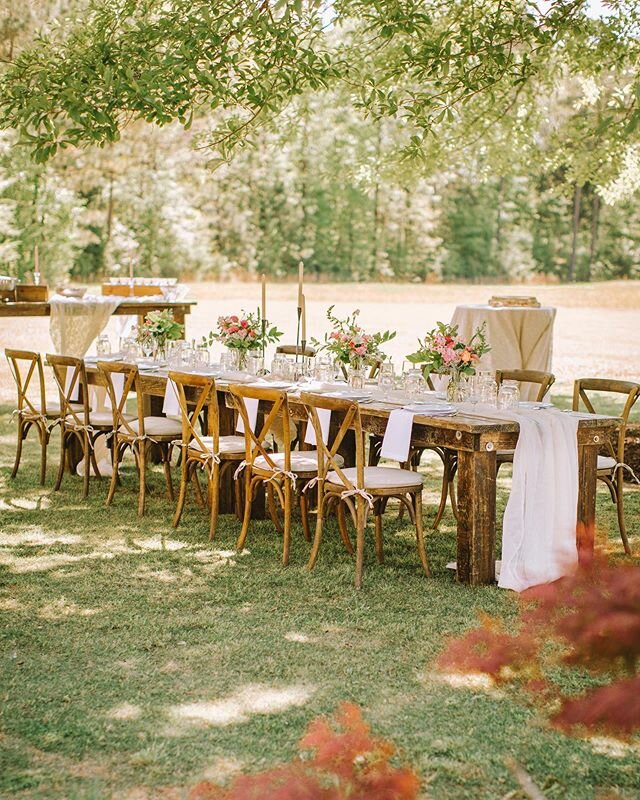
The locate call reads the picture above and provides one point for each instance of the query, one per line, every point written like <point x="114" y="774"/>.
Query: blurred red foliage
<point x="593" y="619"/>
<point x="339" y="759"/>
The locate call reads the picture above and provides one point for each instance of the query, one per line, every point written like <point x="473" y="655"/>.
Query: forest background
<point x="540" y="190"/>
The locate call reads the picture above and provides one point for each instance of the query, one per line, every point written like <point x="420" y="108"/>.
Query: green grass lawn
<point x="137" y="660"/>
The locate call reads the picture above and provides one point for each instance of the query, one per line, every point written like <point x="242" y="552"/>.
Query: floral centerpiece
<point x="158" y="328"/>
<point x="350" y="345"/>
<point x="444" y="352"/>
<point x="242" y="333"/>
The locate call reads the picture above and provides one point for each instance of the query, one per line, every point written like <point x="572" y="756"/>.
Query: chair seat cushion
<point x="98" y="419"/>
<point x="228" y="444"/>
<point x="380" y="478"/>
<point x="53" y="408"/>
<point x="301" y="461"/>
<point x="156" y="426"/>
<point x="606" y="462"/>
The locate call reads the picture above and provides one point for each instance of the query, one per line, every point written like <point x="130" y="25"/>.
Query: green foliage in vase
<point x="444" y="352"/>
<point x="159" y="327"/>
<point x="348" y="342"/>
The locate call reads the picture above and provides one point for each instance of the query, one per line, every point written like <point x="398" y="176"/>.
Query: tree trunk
<point x="595" y="222"/>
<point x="497" y="241"/>
<point x="376" y="206"/>
<point x="575" y="224"/>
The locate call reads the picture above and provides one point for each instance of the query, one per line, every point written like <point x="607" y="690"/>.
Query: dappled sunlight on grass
<point x="301" y="638"/>
<point x="58" y="609"/>
<point x="240" y="706"/>
<point x="125" y="711"/>
<point x="38" y="537"/>
<point x="25" y="503"/>
<point x="475" y="682"/>
<point x="614" y="748"/>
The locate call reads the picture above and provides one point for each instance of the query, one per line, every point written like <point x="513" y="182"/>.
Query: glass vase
<point x="453" y="387"/>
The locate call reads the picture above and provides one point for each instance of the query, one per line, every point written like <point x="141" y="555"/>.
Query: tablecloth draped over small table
<point x="74" y="323"/>
<point x="540" y="520"/>
<point x="520" y="338"/>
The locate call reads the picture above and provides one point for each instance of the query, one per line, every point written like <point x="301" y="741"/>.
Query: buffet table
<point x="126" y="308"/>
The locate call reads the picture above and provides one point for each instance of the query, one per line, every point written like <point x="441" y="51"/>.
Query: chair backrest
<point x="24" y="366"/>
<point x="544" y="380"/>
<point x="70" y="376"/>
<point x="197" y="393"/>
<point x="274" y="405"/>
<point x="295" y="350"/>
<point x="118" y="398"/>
<point x="345" y="417"/>
<point x="583" y="390"/>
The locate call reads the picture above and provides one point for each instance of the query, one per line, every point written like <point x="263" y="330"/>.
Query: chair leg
<point x="215" y="500"/>
<point x="378" y="532"/>
<point x="166" y="463"/>
<point x="115" y="469"/>
<point x="620" y="509"/>
<point x="286" y="542"/>
<point x="182" y="494"/>
<point x="273" y="508"/>
<point x="86" y="455"/>
<point x="142" y="467"/>
<point x="304" y="516"/>
<point x="342" y="527"/>
<point x="63" y="459"/>
<point x="444" y="490"/>
<point x="360" y="525"/>
<point x="248" y="489"/>
<point x="315" y="549"/>
<point x="43" y="433"/>
<point x="417" y="500"/>
<point x="21" y="435"/>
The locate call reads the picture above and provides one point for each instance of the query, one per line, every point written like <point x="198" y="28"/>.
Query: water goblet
<point x="103" y="345"/>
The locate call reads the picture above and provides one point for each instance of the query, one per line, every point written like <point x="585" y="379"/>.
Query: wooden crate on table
<point x="125" y="290"/>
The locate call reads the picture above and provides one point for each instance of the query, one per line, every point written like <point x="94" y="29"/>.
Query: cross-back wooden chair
<point x="208" y="451"/>
<point x="362" y="489"/>
<point x="136" y="433"/>
<point x="610" y="467"/>
<point x="79" y="426"/>
<point x="32" y="410"/>
<point x="543" y="380"/>
<point x="447" y="456"/>
<point x="285" y="473"/>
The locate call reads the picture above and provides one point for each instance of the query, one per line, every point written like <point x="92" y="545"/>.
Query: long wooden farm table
<point x="32" y="309"/>
<point x="476" y="439"/>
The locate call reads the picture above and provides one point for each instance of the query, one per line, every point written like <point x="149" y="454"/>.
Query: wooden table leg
<point x="476" y="516"/>
<point x="587" y="479"/>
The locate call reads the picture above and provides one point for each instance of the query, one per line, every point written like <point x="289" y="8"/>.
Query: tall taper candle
<point x="300" y="282"/>
<point x="303" y="326"/>
<point x="264" y="296"/>
<point x="131" y="270"/>
<point x="36" y="259"/>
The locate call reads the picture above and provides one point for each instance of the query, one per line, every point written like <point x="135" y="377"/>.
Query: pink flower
<point x="449" y="355"/>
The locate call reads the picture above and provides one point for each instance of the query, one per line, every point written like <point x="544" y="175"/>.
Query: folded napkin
<point x="539" y="526"/>
<point x="117" y="379"/>
<point x="251" y="404"/>
<point x="171" y="404"/>
<point x="75" y="394"/>
<point x="397" y="436"/>
<point x="324" y="418"/>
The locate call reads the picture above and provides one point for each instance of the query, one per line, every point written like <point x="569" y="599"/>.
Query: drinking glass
<point x="279" y="366"/>
<point x="487" y="388"/>
<point x="386" y="378"/>
<point x="174" y="352"/>
<point x="255" y="364"/>
<point x="129" y="349"/>
<point x="103" y="345"/>
<point x="323" y="369"/>
<point x="508" y="395"/>
<point x="414" y="382"/>
<point x="201" y="357"/>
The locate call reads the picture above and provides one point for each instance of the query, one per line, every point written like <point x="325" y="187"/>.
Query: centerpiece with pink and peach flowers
<point x="444" y="352"/>
<point x="241" y="333"/>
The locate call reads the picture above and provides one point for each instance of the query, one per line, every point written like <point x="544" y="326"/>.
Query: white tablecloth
<point x="520" y="338"/>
